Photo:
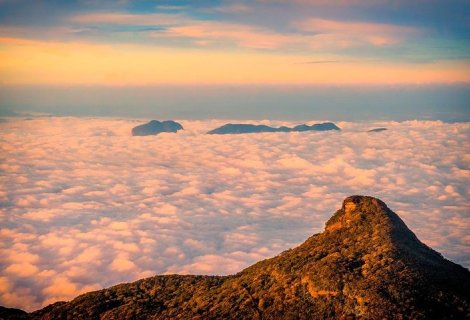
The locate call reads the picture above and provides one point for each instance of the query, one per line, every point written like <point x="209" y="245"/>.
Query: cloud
<point x="354" y="33"/>
<point x="248" y="36"/>
<point x="310" y="33"/>
<point x="24" y="269"/>
<point x="122" y="264"/>
<point x="294" y="162"/>
<point x="233" y="8"/>
<point x="80" y="63"/>
<point x="83" y="210"/>
<point x="120" y="18"/>
<point x="171" y="8"/>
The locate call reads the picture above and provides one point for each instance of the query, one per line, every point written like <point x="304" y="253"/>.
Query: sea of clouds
<point x="84" y="205"/>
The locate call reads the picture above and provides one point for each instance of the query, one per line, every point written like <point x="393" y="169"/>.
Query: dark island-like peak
<point x="377" y="130"/>
<point x="234" y="128"/>
<point x="239" y="128"/>
<point x="155" y="127"/>
<point x="325" y="126"/>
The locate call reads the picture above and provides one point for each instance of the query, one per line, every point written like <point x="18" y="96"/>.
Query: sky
<point x="97" y="47"/>
<point x="214" y="42"/>
<point x="85" y="205"/>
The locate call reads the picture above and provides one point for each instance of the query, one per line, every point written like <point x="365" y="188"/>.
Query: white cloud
<point x="82" y="211"/>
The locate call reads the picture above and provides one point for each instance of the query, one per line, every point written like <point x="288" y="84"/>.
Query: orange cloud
<point x="23" y="269"/>
<point x="63" y="288"/>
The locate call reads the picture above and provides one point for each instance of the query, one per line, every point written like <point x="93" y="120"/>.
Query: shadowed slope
<point x="366" y="264"/>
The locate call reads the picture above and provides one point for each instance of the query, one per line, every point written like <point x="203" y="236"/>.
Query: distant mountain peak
<point x="377" y="130"/>
<point x="155" y="127"/>
<point x="239" y="128"/>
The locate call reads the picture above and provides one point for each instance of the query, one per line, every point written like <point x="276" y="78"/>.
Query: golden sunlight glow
<point x="67" y="63"/>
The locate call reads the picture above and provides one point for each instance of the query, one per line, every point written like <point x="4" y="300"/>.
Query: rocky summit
<point x="366" y="264"/>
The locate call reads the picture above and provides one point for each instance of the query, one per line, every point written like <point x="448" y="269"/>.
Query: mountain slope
<point x="366" y="265"/>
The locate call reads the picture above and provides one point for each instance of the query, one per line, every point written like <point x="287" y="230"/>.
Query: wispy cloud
<point x="154" y="19"/>
<point x="234" y="8"/>
<point x="346" y="33"/>
<point x="221" y="33"/>
<point x="354" y="27"/>
<point x="172" y="7"/>
<point x="315" y="33"/>
<point x="321" y="61"/>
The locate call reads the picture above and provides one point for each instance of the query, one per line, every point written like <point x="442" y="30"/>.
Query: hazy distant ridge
<point x="252" y="128"/>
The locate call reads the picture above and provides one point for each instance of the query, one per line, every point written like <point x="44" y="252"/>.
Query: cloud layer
<point x="85" y="205"/>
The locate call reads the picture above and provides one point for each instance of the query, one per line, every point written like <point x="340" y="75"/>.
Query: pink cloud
<point x="294" y="162"/>
<point x="129" y="19"/>
<point x="322" y="34"/>
<point x="353" y="33"/>
<point x="325" y="25"/>
<point x="221" y="32"/>
<point x="234" y="8"/>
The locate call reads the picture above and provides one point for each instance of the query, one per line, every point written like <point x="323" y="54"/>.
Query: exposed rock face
<point x="251" y="128"/>
<point x="155" y="127"/>
<point x="367" y="264"/>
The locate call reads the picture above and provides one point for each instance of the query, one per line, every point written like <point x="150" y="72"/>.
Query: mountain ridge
<point x="241" y="128"/>
<point x="367" y="264"/>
